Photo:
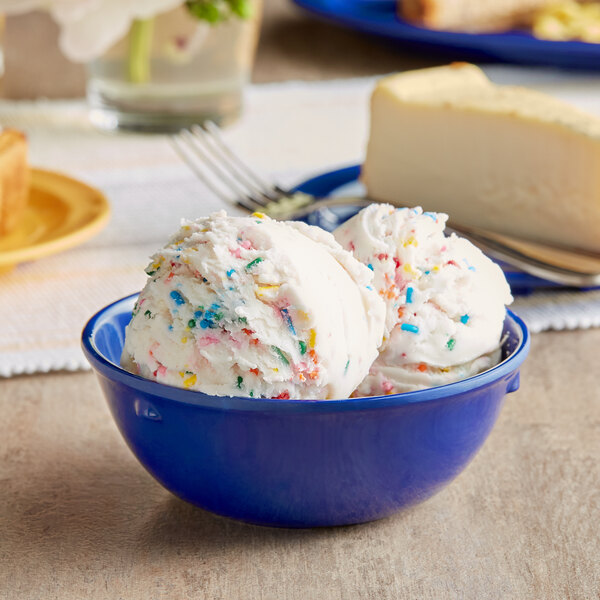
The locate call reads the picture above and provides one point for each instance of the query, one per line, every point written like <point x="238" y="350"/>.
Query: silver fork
<point x="203" y="149"/>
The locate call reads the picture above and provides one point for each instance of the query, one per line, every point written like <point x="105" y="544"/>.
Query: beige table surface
<point x="80" y="519"/>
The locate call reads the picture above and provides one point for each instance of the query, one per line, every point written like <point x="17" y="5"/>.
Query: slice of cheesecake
<point x="470" y="15"/>
<point x="507" y="159"/>
<point x="14" y="179"/>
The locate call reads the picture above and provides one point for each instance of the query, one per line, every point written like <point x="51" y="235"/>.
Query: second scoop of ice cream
<point x="254" y="307"/>
<point x="445" y="299"/>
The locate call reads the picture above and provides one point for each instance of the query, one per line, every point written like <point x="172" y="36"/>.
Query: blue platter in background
<point x="379" y="17"/>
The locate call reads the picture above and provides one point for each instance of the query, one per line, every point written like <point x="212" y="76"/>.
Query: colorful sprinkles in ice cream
<point x="445" y="299"/>
<point x="255" y="307"/>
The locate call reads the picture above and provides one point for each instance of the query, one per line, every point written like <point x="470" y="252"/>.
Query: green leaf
<point x="240" y="8"/>
<point x="205" y="11"/>
<point x="217" y="11"/>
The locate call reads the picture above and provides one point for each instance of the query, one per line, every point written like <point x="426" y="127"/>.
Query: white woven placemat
<point x="289" y="130"/>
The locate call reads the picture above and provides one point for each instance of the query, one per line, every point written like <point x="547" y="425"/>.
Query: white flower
<point x="90" y="27"/>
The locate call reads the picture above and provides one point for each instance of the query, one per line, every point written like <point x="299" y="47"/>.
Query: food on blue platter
<point x="557" y="20"/>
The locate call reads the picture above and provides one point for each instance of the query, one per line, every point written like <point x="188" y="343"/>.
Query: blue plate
<point x="380" y="18"/>
<point x="344" y="182"/>
<point x="300" y="463"/>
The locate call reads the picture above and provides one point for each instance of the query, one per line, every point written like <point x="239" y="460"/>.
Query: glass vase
<point x="173" y="71"/>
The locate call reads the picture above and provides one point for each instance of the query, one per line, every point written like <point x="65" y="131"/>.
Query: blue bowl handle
<point x="513" y="383"/>
<point x="146" y="409"/>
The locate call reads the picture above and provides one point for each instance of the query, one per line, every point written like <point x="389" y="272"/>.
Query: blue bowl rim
<point x="242" y="403"/>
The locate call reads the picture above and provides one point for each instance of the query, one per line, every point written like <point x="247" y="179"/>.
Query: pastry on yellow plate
<point x="61" y="213"/>
<point x="14" y="179"/>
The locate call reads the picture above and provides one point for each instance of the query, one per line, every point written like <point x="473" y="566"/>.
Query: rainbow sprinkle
<point x="269" y="290"/>
<point x="370" y="266"/>
<point x="286" y="317"/>
<point x="281" y="355"/>
<point x="207" y="341"/>
<point x="230" y="273"/>
<point x="409" y="295"/>
<point x="409" y="327"/>
<point x="409" y="269"/>
<point x="451" y="343"/>
<point x="253" y="263"/>
<point x="302" y="347"/>
<point x="240" y="380"/>
<point x="209" y="316"/>
<point x="177" y="297"/>
<point x="190" y="381"/>
<point x="464" y="319"/>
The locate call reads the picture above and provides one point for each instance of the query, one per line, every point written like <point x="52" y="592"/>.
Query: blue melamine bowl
<point x="300" y="463"/>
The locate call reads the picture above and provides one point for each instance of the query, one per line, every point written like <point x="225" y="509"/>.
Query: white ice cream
<point x="248" y="306"/>
<point x="445" y="299"/>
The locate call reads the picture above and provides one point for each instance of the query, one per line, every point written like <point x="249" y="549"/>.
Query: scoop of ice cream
<point x="249" y="306"/>
<point x="445" y="299"/>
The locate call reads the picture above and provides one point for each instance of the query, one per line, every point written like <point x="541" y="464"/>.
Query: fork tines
<point x="203" y="149"/>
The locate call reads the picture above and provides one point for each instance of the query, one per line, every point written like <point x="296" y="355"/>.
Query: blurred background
<point x="292" y="45"/>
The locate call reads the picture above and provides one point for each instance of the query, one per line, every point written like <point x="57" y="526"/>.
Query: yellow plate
<point x="61" y="213"/>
